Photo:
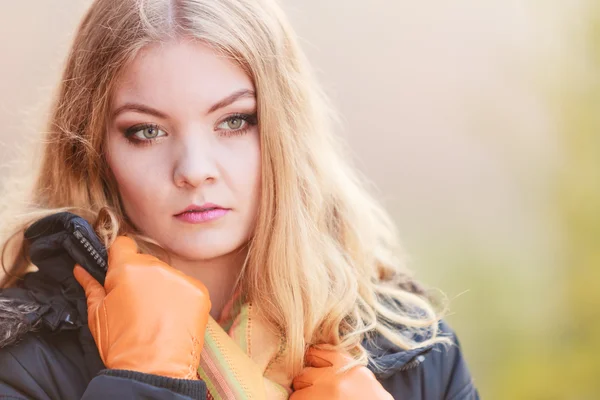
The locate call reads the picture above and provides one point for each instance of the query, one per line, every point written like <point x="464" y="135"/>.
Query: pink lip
<point x="195" y="207"/>
<point x="197" y="214"/>
<point x="196" y="217"/>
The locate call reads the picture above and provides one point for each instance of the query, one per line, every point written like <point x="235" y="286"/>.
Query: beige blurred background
<point x="476" y="121"/>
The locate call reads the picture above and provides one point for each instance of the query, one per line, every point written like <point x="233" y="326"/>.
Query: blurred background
<point x="479" y="123"/>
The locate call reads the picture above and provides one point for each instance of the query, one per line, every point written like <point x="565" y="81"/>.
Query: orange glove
<point x="321" y="379"/>
<point x="148" y="317"/>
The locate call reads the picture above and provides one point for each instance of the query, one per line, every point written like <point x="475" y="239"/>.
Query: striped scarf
<point x="241" y="358"/>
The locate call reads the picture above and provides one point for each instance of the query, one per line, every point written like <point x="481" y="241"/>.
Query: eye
<point x="236" y="124"/>
<point x="145" y="132"/>
<point x="233" y="123"/>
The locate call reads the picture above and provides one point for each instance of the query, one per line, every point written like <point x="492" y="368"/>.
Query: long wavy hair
<point x="324" y="265"/>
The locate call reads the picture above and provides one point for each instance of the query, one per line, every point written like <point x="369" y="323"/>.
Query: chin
<point x="200" y="250"/>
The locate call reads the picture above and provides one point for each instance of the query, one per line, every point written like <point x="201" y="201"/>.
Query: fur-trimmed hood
<point x="15" y="319"/>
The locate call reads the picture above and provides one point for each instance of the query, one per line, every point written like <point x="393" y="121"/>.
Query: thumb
<point x="122" y="248"/>
<point x="320" y="358"/>
<point x="307" y="378"/>
<point x="94" y="292"/>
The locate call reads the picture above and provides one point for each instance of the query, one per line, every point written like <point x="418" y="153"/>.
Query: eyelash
<point x="249" y="120"/>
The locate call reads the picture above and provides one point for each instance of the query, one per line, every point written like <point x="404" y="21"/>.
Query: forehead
<point x="179" y="72"/>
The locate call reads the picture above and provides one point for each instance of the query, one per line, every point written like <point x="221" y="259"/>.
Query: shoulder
<point x="436" y="372"/>
<point x="38" y="361"/>
<point x="44" y="366"/>
<point x="446" y="365"/>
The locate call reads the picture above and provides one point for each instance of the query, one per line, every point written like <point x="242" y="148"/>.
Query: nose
<point x="195" y="163"/>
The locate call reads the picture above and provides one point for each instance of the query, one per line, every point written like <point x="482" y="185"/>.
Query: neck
<point x="219" y="275"/>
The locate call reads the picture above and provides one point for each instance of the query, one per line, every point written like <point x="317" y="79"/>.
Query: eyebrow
<point x="232" y="98"/>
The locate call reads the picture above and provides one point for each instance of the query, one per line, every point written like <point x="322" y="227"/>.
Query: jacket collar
<point x="63" y="307"/>
<point x="62" y="304"/>
<point x="388" y="359"/>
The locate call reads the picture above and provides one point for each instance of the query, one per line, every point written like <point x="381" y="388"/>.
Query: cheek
<point x="138" y="188"/>
<point x="248" y="171"/>
<point x="133" y="190"/>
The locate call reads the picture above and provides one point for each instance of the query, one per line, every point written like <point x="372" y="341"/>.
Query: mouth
<point x="202" y="215"/>
<point x="200" y="209"/>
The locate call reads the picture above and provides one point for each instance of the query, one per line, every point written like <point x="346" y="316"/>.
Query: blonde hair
<point x="323" y="264"/>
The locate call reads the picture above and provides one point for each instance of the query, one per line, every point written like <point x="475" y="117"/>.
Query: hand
<point x="148" y="317"/>
<point x="321" y="379"/>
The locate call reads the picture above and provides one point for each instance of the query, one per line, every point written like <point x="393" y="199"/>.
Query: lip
<point x="205" y="213"/>
<point x="203" y="207"/>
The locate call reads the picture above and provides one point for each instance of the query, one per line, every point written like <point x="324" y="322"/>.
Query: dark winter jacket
<point x="48" y="352"/>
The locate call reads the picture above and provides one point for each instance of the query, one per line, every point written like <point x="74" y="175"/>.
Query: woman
<point x="195" y="130"/>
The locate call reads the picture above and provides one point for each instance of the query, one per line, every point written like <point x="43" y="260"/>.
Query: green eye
<point x="236" y="124"/>
<point x="144" y="132"/>
<point x="149" y="132"/>
<point x="233" y="123"/>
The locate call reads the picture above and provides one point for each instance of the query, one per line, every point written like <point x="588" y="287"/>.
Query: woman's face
<point x="183" y="132"/>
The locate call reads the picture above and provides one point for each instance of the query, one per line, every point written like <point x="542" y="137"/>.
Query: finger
<point x="94" y="292"/>
<point x="309" y="376"/>
<point x="324" y="358"/>
<point x="122" y="248"/>
<point x="310" y="393"/>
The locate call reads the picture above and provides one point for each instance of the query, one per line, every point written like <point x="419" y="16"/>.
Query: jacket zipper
<point x="90" y="249"/>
